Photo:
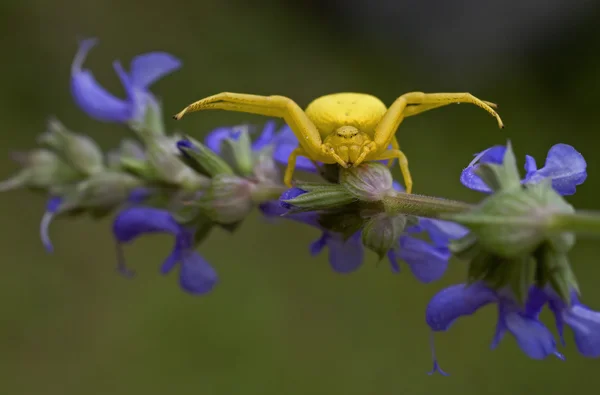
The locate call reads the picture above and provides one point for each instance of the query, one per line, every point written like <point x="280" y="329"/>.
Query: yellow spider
<point x="343" y="128"/>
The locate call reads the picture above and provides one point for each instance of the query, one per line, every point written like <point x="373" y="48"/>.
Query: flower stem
<point x="264" y="192"/>
<point x="583" y="222"/>
<point x="423" y="206"/>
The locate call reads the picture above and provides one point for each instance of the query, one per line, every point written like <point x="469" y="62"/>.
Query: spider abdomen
<point x="359" y="110"/>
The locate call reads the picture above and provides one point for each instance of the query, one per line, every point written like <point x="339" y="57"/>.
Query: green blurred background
<point x="281" y="322"/>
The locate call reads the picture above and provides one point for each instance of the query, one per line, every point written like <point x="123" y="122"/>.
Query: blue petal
<point x="170" y="262"/>
<point x="436" y="365"/>
<point x="52" y="207"/>
<point x="289" y="195"/>
<point x="441" y="232"/>
<point x="148" y="68"/>
<point x="317" y="246"/>
<point x="138" y="195"/>
<point x="471" y="180"/>
<point x="136" y="221"/>
<point x="90" y="96"/>
<point x="397" y="186"/>
<point x="285" y="142"/>
<point x="426" y="262"/>
<point x="391" y="254"/>
<point x="215" y="138"/>
<point x="272" y="208"/>
<point x="138" y="98"/>
<point x="196" y="276"/>
<point x="454" y="302"/>
<point x="266" y="137"/>
<point x="530" y="166"/>
<point x="565" y="166"/>
<point x="536" y="299"/>
<point x="531" y="335"/>
<point x="585" y="324"/>
<point x="345" y="256"/>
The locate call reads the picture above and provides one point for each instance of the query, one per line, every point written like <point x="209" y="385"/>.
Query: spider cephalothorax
<point x="343" y="128"/>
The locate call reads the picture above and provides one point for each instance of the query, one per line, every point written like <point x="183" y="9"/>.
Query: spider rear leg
<point x="395" y="145"/>
<point x="291" y="166"/>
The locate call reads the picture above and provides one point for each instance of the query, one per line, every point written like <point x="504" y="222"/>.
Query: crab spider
<point x="342" y="128"/>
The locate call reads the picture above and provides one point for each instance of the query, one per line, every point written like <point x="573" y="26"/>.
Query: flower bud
<point x="101" y="190"/>
<point x="369" y="182"/>
<point x="79" y="151"/>
<point x="167" y="166"/>
<point x="515" y="222"/>
<point x="516" y="219"/>
<point x="265" y="169"/>
<point x="42" y="169"/>
<point x="381" y="232"/>
<point x="228" y="199"/>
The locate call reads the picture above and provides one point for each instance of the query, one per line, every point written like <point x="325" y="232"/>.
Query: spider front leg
<point x="428" y="101"/>
<point x="403" y="161"/>
<point x="273" y="106"/>
<point x="416" y="109"/>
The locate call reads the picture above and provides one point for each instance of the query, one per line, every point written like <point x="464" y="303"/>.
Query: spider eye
<point x="347" y="131"/>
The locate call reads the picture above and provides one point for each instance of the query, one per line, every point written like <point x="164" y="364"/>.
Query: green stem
<point x="585" y="222"/>
<point x="423" y="206"/>
<point x="265" y="192"/>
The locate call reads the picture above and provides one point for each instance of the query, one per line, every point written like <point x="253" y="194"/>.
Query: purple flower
<point x="285" y="142"/>
<point x="52" y="206"/>
<point x="427" y="260"/>
<point x="520" y="321"/>
<point x="196" y="276"/>
<point x="564" y="166"/>
<point x="215" y="138"/>
<point x="583" y="321"/>
<point x="100" y="104"/>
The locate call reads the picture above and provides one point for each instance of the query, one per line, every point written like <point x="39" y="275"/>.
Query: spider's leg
<point x="274" y="106"/>
<point x="396" y="146"/>
<point x="419" y="108"/>
<point x="396" y="153"/>
<point x="442" y="99"/>
<point x="291" y="166"/>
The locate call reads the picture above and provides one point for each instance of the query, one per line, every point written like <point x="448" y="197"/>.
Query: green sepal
<point x="152" y="124"/>
<point x="238" y="152"/>
<point x="344" y="222"/>
<point x="466" y="248"/>
<point x="207" y="159"/>
<point x="501" y="177"/>
<point x="555" y="269"/>
<point x="480" y="267"/>
<point x="330" y="197"/>
<point x="79" y="151"/>
<point x="522" y="277"/>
